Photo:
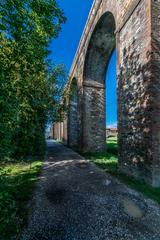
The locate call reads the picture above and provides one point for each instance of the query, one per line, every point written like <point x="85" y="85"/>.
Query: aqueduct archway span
<point x="137" y="35"/>
<point x="100" y="48"/>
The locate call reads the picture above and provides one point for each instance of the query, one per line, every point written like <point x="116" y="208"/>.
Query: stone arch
<point x="100" y="48"/>
<point x="137" y="46"/>
<point x="73" y="114"/>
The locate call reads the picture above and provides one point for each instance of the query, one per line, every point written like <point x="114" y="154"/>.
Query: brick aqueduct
<point x="133" y="28"/>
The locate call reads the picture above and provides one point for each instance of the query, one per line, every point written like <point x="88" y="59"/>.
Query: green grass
<point x="109" y="162"/>
<point x="58" y="141"/>
<point x="17" y="182"/>
<point x="112" y="145"/>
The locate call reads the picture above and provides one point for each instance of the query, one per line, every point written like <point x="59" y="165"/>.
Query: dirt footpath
<point x="75" y="200"/>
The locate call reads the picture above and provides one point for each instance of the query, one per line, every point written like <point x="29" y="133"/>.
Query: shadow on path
<point x="75" y="200"/>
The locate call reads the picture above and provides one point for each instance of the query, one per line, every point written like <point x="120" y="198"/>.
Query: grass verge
<point x="17" y="182"/>
<point x="109" y="162"/>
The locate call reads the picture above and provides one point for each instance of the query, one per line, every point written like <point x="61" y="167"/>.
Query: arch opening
<point x="111" y="93"/>
<point x="100" y="49"/>
<point x="102" y="45"/>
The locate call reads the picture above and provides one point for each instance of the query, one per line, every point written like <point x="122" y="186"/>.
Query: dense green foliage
<point x="109" y="162"/>
<point x="17" y="182"/>
<point x="29" y="84"/>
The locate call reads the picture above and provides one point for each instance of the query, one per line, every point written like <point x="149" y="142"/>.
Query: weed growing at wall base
<point x="109" y="162"/>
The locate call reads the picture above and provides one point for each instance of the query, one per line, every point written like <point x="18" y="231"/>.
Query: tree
<point x="28" y="82"/>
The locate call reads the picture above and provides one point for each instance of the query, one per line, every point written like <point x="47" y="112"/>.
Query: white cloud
<point x="114" y="125"/>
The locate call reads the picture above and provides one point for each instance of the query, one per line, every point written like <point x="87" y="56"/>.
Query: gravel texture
<point x="75" y="200"/>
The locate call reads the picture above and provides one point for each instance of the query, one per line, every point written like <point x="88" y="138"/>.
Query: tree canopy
<point x="30" y="85"/>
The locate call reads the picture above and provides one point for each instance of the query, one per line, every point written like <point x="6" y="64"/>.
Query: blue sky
<point x="64" y="48"/>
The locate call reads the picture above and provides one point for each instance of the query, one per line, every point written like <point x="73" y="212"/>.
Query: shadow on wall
<point x="136" y="108"/>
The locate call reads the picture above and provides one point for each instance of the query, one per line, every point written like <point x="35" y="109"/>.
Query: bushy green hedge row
<point x="29" y="85"/>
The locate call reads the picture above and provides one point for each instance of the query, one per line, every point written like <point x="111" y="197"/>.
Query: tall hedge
<point x="28" y="83"/>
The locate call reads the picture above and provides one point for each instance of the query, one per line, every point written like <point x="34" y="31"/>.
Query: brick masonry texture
<point x="133" y="27"/>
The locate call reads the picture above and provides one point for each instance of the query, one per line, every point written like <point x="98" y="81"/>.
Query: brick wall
<point x="137" y="40"/>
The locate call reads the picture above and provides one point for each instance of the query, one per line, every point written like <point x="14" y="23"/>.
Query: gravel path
<point x="75" y="200"/>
